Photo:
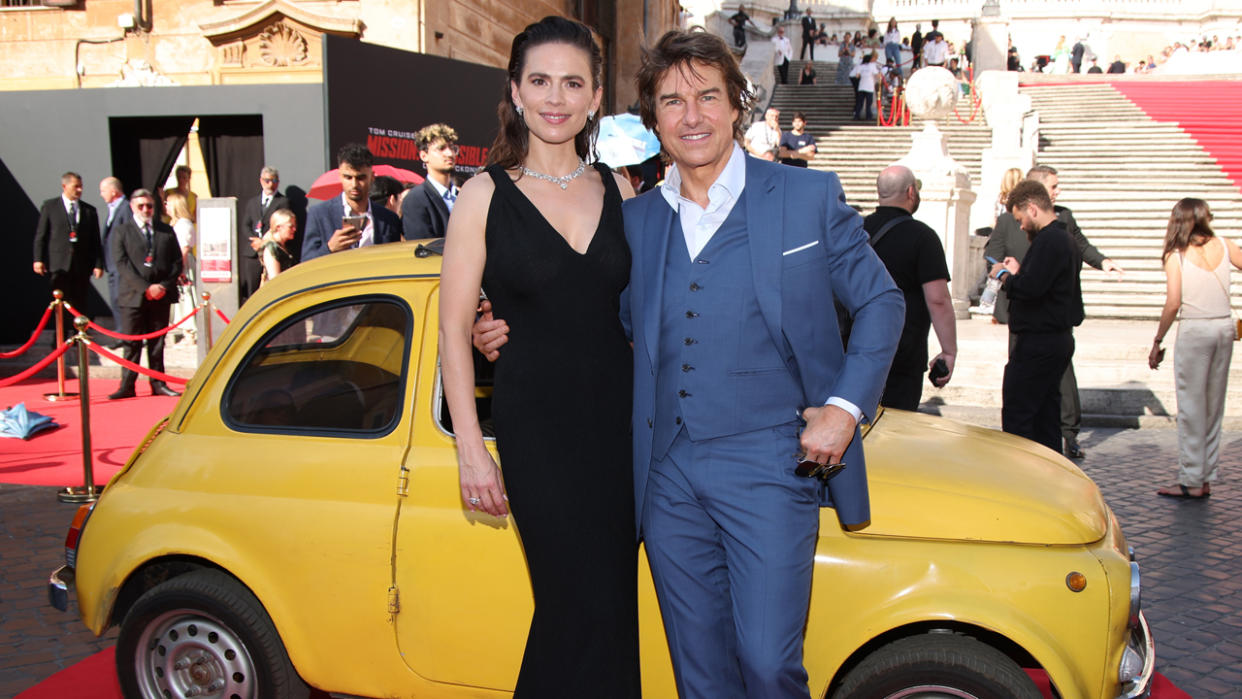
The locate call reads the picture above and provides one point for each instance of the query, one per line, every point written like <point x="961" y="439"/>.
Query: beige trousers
<point x="1201" y="368"/>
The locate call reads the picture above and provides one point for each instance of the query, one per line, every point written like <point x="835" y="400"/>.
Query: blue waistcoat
<point x="719" y="371"/>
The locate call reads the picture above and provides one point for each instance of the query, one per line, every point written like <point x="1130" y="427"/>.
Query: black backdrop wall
<point x="420" y="90"/>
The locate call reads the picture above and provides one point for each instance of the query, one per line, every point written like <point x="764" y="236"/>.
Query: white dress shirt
<point x="73" y="209"/>
<point x="698" y="225"/>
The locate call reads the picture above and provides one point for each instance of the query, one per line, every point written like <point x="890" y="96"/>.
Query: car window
<point x="336" y="368"/>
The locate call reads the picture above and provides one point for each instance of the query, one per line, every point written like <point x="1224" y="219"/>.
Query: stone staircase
<point x="857" y="151"/>
<point x="1121" y="172"/>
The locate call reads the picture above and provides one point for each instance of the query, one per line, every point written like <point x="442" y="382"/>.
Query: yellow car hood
<point x="932" y="478"/>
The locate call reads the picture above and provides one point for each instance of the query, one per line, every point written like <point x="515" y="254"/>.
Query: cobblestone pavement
<point x="1190" y="553"/>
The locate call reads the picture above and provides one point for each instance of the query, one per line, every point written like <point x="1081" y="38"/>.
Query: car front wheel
<point x="937" y="665"/>
<point x="203" y="634"/>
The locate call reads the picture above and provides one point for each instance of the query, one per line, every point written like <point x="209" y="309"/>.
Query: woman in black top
<point x="808" y="74"/>
<point x="541" y="232"/>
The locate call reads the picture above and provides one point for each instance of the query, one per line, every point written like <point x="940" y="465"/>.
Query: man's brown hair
<point x="428" y="135"/>
<point x="1029" y="192"/>
<point x="681" y="50"/>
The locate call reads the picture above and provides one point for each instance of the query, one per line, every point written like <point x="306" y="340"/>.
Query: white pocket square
<point x="800" y="248"/>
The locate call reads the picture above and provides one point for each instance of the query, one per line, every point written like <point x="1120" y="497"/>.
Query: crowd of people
<point x="661" y="340"/>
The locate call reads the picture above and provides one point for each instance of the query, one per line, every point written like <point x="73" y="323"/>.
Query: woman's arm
<point x="1235" y="254"/>
<point x="1172" y="302"/>
<point x="270" y="265"/>
<point x="465" y="253"/>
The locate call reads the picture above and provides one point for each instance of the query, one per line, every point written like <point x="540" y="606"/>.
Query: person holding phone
<point x="350" y="221"/>
<point x="913" y="255"/>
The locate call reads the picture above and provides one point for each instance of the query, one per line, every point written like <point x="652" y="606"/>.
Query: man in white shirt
<point x="784" y="52"/>
<point x="936" y="52"/>
<point x="763" y="138"/>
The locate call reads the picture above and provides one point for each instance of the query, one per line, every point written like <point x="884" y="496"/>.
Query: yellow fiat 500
<point x="296" y="522"/>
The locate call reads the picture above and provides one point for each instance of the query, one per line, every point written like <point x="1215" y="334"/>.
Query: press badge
<point x="73" y="236"/>
<point x="148" y="262"/>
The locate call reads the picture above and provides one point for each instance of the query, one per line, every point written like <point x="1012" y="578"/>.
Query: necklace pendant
<point x="564" y="185"/>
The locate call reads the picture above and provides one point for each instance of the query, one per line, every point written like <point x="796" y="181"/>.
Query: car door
<point x="295" y="450"/>
<point x="464" y="594"/>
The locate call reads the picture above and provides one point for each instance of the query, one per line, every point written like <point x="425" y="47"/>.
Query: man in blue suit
<point x="350" y="221"/>
<point x="113" y="194"/>
<point x="739" y="374"/>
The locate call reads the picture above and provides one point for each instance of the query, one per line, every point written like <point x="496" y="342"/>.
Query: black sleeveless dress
<point x="561" y="407"/>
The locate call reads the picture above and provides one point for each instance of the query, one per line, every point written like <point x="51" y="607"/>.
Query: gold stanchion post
<point x="208" y="320"/>
<point x="88" y="492"/>
<point x="60" y="394"/>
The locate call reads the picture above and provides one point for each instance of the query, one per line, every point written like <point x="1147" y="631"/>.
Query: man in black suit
<point x="809" y="31"/>
<point x="148" y="263"/>
<point x="254" y="223"/>
<point x="1009" y="240"/>
<point x="66" y="244"/>
<point x="349" y="221"/>
<point x="425" y="211"/>
<point x="113" y="194"/>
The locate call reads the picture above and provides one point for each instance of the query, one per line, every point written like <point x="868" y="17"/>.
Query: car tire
<point x="937" y="665"/>
<point x="203" y="634"/>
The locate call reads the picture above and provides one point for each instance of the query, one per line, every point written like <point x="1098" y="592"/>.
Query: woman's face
<point x="556" y="92"/>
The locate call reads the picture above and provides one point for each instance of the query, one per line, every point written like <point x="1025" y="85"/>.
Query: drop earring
<point x="590" y="115"/>
<point x="518" y="107"/>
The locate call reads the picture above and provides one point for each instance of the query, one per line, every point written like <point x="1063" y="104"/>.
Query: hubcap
<point x="184" y="653"/>
<point x="931" y="691"/>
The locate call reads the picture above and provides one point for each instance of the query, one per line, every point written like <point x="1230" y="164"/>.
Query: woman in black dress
<point x="541" y="233"/>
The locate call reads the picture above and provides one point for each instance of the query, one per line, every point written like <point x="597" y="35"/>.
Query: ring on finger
<point x="474" y="501"/>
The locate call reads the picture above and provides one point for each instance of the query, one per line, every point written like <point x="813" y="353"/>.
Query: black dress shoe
<point x="1073" y="451"/>
<point x="159" y="389"/>
<point x="122" y="393"/>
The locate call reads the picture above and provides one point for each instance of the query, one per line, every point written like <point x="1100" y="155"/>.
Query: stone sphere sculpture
<point x="931" y="93"/>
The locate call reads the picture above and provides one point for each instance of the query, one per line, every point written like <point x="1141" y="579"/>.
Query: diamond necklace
<point x="562" y="181"/>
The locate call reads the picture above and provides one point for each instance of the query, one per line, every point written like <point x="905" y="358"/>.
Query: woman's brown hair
<point x="1189" y="224"/>
<point x="513" y="137"/>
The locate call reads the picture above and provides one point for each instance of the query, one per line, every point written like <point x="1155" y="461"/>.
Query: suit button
<point x="684" y="394"/>
<point x="648" y="422"/>
<point x="678" y="421"/>
<point x="687" y="367"/>
<point x="694" y="287"/>
<point x="689" y="341"/>
<point x="691" y="314"/>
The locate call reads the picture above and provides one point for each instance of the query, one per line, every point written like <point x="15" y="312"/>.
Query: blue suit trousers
<point x="730" y="531"/>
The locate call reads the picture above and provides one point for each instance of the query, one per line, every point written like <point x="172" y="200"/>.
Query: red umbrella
<point x="328" y="184"/>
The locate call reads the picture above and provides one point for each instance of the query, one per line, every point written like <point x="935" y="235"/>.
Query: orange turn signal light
<point x="1076" y="582"/>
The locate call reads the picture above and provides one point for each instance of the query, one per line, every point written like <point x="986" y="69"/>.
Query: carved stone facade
<point x="99" y="43"/>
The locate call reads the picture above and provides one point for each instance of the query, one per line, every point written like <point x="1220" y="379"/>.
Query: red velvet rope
<point x="37" y="367"/>
<point x="131" y="338"/>
<point x="974" y="99"/>
<point x="157" y="375"/>
<point x="33" y="336"/>
<point x="222" y="316"/>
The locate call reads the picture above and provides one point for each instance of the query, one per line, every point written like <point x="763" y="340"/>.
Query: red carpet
<point x="95" y="678"/>
<point x="54" y="457"/>
<point x="1209" y="110"/>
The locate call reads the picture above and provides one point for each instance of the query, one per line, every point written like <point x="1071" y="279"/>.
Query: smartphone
<point x="938" y="371"/>
<point x="358" y="222"/>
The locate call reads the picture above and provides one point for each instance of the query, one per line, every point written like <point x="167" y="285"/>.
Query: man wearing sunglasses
<point x="254" y="224"/>
<point x="426" y="208"/>
<point x="147" y="257"/>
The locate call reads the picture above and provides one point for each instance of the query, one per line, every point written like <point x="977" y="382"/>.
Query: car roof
<point x="388" y="260"/>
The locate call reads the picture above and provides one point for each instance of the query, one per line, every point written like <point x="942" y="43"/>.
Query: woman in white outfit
<point x="178" y="209"/>
<point x="1196" y="266"/>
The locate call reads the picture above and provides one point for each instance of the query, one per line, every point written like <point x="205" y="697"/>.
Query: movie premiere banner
<point x="382" y="96"/>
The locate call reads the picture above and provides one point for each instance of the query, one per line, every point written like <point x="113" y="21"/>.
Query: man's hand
<point x="1110" y="267"/>
<point x="829" y="430"/>
<point x="949" y="361"/>
<point x="97" y="272"/>
<point x="256" y="243"/>
<point x="1010" y="265"/>
<point x="488" y="334"/>
<point x="344" y="238"/>
<point x="155" y="292"/>
<point x="39" y="268"/>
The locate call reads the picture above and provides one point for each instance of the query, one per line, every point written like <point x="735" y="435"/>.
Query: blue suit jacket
<point x="325" y="217"/>
<point x="807" y="247"/>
